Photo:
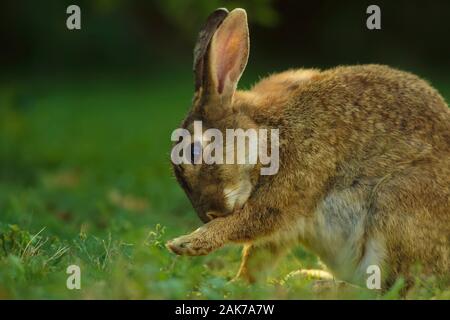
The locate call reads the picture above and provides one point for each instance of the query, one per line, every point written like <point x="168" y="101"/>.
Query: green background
<point x="85" y="124"/>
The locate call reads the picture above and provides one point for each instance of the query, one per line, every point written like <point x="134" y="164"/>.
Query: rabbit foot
<point x="243" y="277"/>
<point x="311" y="274"/>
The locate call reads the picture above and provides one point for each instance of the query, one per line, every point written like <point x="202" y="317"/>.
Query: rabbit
<point x="364" y="165"/>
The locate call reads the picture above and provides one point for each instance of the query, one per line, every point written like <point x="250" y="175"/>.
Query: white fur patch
<point x="336" y="233"/>
<point x="237" y="195"/>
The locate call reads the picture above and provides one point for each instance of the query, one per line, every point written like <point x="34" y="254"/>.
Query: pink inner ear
<point x="228" y="54"/>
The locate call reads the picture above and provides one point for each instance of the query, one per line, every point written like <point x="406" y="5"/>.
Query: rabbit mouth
<point x="212" y="215"/>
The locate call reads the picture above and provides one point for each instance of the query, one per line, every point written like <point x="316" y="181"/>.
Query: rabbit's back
<point x="374" y="100"/>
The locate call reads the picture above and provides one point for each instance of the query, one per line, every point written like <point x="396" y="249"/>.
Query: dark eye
<point x="196" y="152"/>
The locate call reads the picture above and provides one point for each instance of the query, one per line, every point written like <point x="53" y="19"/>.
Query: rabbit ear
<point x="228" y="54"/>
<point x="203" y="41"/>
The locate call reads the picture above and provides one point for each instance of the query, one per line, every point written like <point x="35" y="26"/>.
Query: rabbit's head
<point x="220" y="57"/>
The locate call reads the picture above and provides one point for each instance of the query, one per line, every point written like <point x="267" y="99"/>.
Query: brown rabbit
<point x="364" y="164"/>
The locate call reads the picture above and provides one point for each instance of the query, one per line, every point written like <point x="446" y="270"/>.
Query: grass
<point x="85" y="179"/>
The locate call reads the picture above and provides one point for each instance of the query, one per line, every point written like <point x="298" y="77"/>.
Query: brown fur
<point x="364" y="172"/>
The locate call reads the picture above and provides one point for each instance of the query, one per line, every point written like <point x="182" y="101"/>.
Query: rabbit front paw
<point x="194" y="244"/>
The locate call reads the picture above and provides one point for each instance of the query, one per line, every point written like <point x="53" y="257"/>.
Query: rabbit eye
<point x="196" y="152"/>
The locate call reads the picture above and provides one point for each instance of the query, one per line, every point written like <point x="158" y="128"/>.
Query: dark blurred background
<point x="133" y="34"/>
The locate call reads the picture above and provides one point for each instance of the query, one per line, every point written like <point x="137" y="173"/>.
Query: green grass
<point x="85" y="179"/>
